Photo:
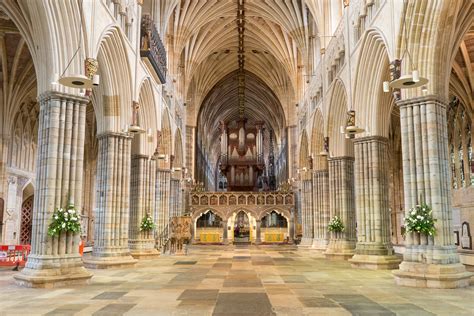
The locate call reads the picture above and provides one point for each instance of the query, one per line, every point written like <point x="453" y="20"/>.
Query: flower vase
<point x="416" y="238"/>
<point x="423" y="239"/>
<point x="430" y="240"/>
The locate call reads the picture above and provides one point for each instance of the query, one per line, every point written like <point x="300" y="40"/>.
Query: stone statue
<point x="466" y="241"/>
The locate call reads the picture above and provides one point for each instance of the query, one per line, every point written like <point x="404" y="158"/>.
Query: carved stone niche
<point x="466" y="240"/>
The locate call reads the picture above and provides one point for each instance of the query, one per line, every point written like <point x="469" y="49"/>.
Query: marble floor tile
<point x="229" y="280"/>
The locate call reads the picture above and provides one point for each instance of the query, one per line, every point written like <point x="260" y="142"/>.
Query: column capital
<point x="114" y="134"/>
<point x="56" y="95"/>
<point x="424" y="99"/>
<point x="350" y="158"/>
<point x="143" y="156"/>
<point x="370" y="139"/>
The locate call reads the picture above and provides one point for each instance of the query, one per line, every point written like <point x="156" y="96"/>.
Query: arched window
<point x="274" y="220"/>
<point x="209" y="219"/>
<point x="460" y="145"/>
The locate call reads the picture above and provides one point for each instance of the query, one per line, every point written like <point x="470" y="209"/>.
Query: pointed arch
<point x="433" y="33"/>
<point x="372" y="105"/>
<point x="143" y="142"/>
<point x="178" y="149"/>
<point x="112" y="99"/>
<point x="303" y="159"/>
<point x="338" y="144"/>
<point x="317" y="140"/>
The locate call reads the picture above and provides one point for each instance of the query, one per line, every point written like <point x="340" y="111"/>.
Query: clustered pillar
<point x="373" y="249"/>
<point x="112" y="203"/>
<point x="342" y="204"/>
<point x="320" y="209"/>
<point x="55" y="261"/>
<point x="176" y="208"/>
<point x="162" y="212"/>
<point x="307" y="213"/>
<point x="142" y="203"/>
<point x="428" y="261"/>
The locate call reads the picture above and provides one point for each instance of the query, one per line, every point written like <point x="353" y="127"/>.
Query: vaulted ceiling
<point x="204" y="38"/>
<point x="462" y="79"/>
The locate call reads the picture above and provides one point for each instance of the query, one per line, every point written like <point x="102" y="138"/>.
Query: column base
<point x="144" y="253"/>
<point x="94" y="262"/>
<point x="339" y="249"/>
<point x="438" y="276"/>
<point x="319" y="245"/>
<point x="53" y="271"/>
<point x="306" y="242"/>
<point x="375" y="262"/>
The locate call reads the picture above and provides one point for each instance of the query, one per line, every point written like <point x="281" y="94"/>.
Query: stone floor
<point x="218" y="280"/>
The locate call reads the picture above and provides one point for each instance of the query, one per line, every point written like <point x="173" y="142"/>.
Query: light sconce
<point x="351" y="128"/>
<point x="325" y="151"/>
<point x="135" y="127"/>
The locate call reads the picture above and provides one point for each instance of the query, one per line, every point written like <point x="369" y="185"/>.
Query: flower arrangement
<point x="335" y="225"/>
<point x="147" y="223"/>
<point x="420" y="220"/>
<point x="65" y="220"/>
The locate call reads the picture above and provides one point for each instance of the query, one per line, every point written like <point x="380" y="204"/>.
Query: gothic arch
<point x="112" y="98"/>
<point x="303" y="161"/>
<point x="433" y="30"/>
<point x="317" y="140"/>
<point x="178" y="150"/>
<point x="143" y="142"/>
<point x="338" y="144"/>
<point x="372" y="105"/>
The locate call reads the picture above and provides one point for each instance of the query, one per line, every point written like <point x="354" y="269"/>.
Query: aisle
<point x="236" y="280"/>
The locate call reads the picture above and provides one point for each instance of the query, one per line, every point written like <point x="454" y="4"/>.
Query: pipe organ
<point x="242" y="154"/>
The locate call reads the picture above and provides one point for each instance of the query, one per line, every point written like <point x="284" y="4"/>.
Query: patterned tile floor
<point x="218" y="280"/>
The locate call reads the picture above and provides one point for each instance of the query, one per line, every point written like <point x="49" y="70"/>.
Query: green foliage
<point x="65" y="220"/>
<point x="147" y="224"/>
<point x="335" y="225"/>
<point x="420" y="220"/>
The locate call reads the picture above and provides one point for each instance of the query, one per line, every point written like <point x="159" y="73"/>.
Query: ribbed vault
<point x="221" y="104"/>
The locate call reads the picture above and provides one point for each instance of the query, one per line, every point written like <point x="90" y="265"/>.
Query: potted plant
<point x="421" y="222"/>
<point x="147" y="224"/>
<point x="65" y="220"/>
<point x="335" y="225"/>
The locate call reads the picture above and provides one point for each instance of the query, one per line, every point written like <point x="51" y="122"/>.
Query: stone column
<point x="307" y="210"/>
<point x="112" y="203"/>
<point x="258" y="237"/>
<point x="374" y="248"/>
<point x="162" y="212"/>
<point x="342" y="203"/>
<point x="225" y="238"/>
<point x="4" y="144"/>
<point x="428" y="262"/>
<point x="142" y="202"/>
<point x="55" y="261"/>
<point x="320" y="209"/>
<point x="291" y="238"/>
<point x="175" y="197"/>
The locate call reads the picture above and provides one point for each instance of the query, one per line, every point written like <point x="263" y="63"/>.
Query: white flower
<point x="413" y="212"/>
<point x="56" y="217"/>
<point x="63" y="225"/>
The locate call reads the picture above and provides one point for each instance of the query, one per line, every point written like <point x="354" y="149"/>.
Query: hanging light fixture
<point x="408" y="81"/>
<point x="351" y="128"/>
<point x="79" y="80"/>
